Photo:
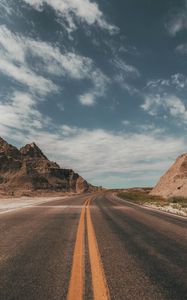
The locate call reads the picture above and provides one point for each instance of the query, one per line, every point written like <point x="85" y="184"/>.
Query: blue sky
<point x="100" y="85"/>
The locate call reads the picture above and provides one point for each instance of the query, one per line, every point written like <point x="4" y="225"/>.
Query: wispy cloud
<point x="60" y="105"/>
<point x="53" y="65"/>
<point x="182" y="49"/>
<point x="74" y="66"/>
<point x="13" y="50"/>
<point x="7" y="9"/>
<point x="95" y="153"/>
<point x="129" y="87"/>
<point x="19" y="112"/>
<point x="16" y="48"/>
<point x="99" y="153"/>
<point x="175" y="107"/>
<point x="76" y="10"/>
<point x="125" y="72"/>
<point x="165" y="97"/>
<point x="100" y="82"/>
<point x="176" y="82"/>
<point x="26" y="76"/>
<point x="125" y="123"/>
<point x="87" y="99"/>
<point x="126" y="69"/>
<point x="177" y="21"/>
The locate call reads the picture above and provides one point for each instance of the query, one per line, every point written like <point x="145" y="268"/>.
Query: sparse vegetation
<point x="142" y="197"/>
<point x="182" y="201"/>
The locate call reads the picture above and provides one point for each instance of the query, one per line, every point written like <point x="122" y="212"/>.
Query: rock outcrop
<point x="174" y="181"/>
<point x="28" y="170"/>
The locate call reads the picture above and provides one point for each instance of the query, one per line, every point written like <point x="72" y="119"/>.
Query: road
<point x="92" y="246"/>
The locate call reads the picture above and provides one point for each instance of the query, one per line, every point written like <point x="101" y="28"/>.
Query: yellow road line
<point x="100" y="288"/>
<point x="76" y="286"/>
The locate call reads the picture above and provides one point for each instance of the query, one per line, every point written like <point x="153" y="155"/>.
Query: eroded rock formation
<point x="28" y="170"/>
<point x="174" y="181"/>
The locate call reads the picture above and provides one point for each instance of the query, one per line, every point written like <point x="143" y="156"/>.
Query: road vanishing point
<point x="92" y="246"/>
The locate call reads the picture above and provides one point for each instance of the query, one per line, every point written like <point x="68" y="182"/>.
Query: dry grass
<point x="143" y="197"/>
<point x="179" y="201"/>
<point x="139" y="197"/>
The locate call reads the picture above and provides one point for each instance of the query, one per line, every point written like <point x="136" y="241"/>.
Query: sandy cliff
<point x="174" y="181"/>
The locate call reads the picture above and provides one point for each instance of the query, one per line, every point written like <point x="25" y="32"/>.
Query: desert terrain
<point x="91" y="246"/>
<point x="62" y="238"/>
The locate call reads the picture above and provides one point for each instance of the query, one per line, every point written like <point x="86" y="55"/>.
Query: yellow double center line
<point x="77" y="280"/>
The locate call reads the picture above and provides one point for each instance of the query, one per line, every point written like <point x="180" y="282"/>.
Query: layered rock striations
<point x="29" y="170"/>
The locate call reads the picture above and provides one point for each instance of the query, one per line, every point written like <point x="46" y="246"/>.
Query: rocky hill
<point x="174" y="181"/>
<point x="28" y="171"/>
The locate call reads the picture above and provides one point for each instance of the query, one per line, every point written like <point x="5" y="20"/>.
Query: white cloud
<point x="126" y="69"/>
<point x="177" y="22"/>
<point x="95" y="153"/>
<point x="182" y="49"/>
<point x="151" y="104"/>
<point x="56" y="63"/>
<point x="179" y="81"/>
<point x="176" y="81"/>
<point x="16" y="48"/>
<point x="125" y="122"/>
<point x="14" y="52"/>
<point x="71" y="10"/>
<point x="61" y="106"/>
<point x="101" y="154"/>
<point x="6" y="9"/>
<point x="87" y="99"/>
<point x="74" y="66"/>
<point x="100" y="82"/>
<point x="124" y="72"/>
<point x="125" y="85"/>
<point x="19" y="112"/>
<point x="68" y="130"/>
<point x="12" y="46"/>
<point x="170" y="103"/>
<point x="26" y="76"/>
<point x="150" y="127"/>
<point x="165" y="97"/>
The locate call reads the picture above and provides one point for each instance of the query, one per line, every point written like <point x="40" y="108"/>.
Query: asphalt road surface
<point x="92" y="246"/>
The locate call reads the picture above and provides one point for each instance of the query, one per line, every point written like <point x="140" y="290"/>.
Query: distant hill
<point x="174" y="181"/>
<point x="28" y="171"/>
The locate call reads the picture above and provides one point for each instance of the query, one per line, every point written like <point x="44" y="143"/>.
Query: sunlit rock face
<point x="28" y="169"/>
<point x="174" y="181"/>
